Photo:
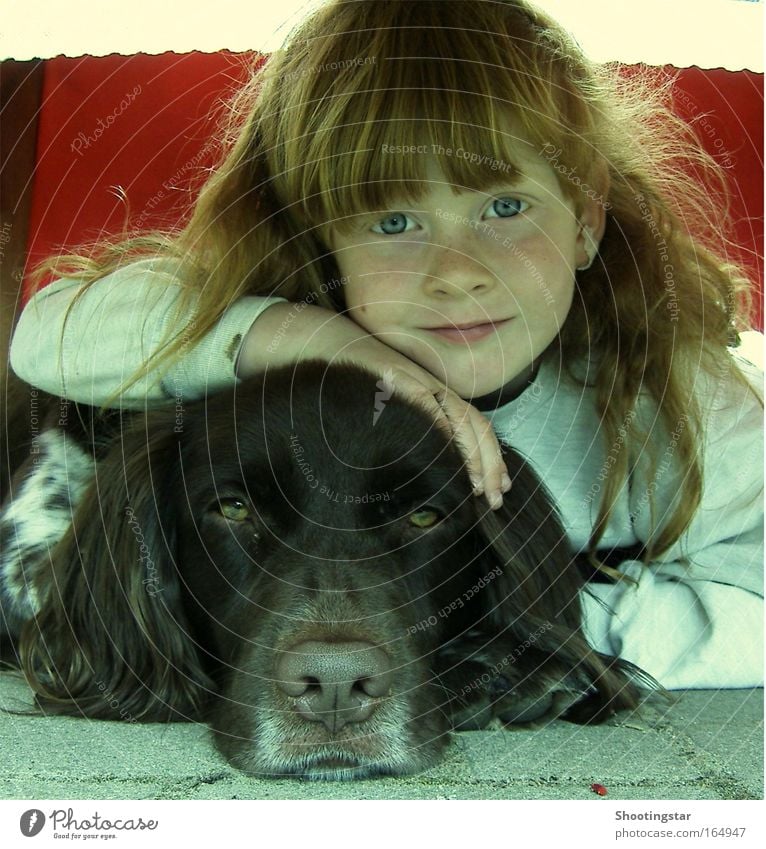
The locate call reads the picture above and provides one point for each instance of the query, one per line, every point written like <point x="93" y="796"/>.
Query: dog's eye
<point x="233" y="509"/>
<point x="425" y="518"/>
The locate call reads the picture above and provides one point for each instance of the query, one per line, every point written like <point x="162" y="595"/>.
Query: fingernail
<point x="505" y="482"/>
<point x="478" y="486"/>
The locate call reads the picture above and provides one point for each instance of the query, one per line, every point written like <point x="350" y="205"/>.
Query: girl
<point x="452" y="195"/>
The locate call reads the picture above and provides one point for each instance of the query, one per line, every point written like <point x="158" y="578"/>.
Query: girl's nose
<point x="452" y="271"/>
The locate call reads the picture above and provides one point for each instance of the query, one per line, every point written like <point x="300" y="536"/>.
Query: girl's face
<point x="474" y="285"/>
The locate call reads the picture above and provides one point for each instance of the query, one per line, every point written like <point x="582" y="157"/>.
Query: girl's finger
<point x="496" y="479"/>
<point x="479" y="444"/>
<point x="473" y="433"/>
<point x="452" y="414"/>
<point x="461" y="425"/>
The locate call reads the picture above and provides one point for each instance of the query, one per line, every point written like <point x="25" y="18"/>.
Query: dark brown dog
<point x="310" y="574"/>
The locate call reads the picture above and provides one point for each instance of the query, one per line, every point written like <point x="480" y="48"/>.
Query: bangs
<point x="379" y="162"/>
<point x="369" y="110"/>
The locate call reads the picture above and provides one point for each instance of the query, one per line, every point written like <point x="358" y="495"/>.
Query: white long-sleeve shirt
<point x="114" y="328"/>
<point x="692" y="618"/>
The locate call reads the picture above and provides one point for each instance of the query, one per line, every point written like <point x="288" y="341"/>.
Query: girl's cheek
<point x="369" y="317"/>
<point x="357" y="263"/>
<point x="363" y="291"/>
<point x="545" y="257"/>
<point x="537" y="247"/>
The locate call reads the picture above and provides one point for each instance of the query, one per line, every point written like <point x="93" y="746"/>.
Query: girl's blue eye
<point x="508" y="207"/>
<point x="392" y="224"/>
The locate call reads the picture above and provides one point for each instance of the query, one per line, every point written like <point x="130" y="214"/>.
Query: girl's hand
<point x="288" y="333"/>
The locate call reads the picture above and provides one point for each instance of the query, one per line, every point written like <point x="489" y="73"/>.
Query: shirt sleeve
<point x="694" y="617"/>
<point x="85" y="349"/>
<point x="687" y="634"/>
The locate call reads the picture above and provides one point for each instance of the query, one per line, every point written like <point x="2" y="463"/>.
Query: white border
<point x="707" y="33"/>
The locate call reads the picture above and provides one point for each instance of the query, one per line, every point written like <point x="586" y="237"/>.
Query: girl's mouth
<point x="469" y="333"/>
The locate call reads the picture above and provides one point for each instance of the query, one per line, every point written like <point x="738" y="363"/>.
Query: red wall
<point x="123" y="137"/>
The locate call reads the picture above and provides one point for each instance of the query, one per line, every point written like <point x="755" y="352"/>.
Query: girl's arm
<point x="694" y="618"/>
<point x="115" y="326"/>
<point x="87" y="352"/>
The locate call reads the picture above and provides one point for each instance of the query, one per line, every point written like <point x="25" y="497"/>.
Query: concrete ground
<point x="706" y="745"/>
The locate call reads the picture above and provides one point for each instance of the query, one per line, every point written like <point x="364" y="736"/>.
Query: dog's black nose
<point x="334" y="683"/>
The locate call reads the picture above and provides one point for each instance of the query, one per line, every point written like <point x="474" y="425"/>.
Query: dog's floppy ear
<point x="534" y="598"/>
<point x="110" y="638"/>
<point x="527" y="540"/>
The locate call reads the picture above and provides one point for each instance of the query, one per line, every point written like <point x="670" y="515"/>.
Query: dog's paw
<point x="534" y="699"/>
<point x="485" y="683"/>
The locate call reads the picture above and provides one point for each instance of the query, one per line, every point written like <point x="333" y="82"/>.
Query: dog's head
<point x="302" y="562"/>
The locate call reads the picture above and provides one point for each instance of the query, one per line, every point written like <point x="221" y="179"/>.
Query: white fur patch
<point x="58" y="474"/>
